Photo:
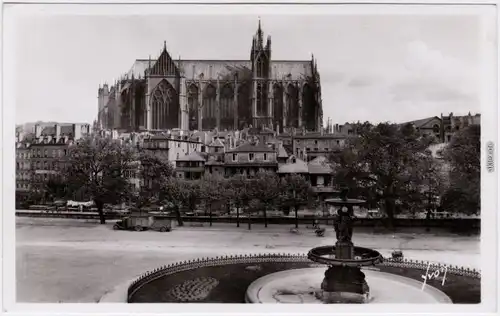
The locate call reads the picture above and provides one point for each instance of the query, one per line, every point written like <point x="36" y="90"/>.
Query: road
<point x="60" y="260"/>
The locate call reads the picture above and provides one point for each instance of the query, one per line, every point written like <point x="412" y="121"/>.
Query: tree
<point x="386" y="162"/>
<point x="154" y="172"/>
<point x="463" y="154"/>
<point x="55" y="188"/>
<point x="238" y="192"/>
<point x="96" y="166"/>
<point x="212" y="191"/>
<point x="178" y="194"/>
<point x="265" y="191"/>
<point x="295" y="191"/>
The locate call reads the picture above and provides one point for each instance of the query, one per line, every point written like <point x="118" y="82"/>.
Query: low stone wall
<point x="301" y="258"/>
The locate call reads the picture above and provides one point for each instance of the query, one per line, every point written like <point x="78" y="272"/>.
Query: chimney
<point x="77" y="131"/>
<point x="58" y="131"/>
<point x="38" y="130"/>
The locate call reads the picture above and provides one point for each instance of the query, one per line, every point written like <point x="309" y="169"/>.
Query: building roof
<point x="139" y="67"/>
<point x="226" y="69"/>
<point x="422" y="122"/>
<point x="324" y="136"/>
<point x="193" y="156"/>
<point x="299" y="166"/>
<point x="51" y="130"/>
<point x="249" y="147"/>
<point x="282" y="152"/>
<point x="319" y="165"/>
<point x="260" y="131"/>
<point x="216" y="143"/>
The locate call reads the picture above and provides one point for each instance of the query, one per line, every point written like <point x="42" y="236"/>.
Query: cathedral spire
<point x="260" y="35"/>
<point x="165" y="46"/>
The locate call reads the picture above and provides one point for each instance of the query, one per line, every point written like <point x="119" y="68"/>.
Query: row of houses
<point x="40" y="153"/>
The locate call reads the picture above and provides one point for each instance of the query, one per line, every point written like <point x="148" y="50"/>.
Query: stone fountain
<point x="286" y="278"/>
<point x="344" y="281"/>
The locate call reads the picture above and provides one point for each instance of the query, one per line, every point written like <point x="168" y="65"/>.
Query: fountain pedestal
<point x="344" y="284"/>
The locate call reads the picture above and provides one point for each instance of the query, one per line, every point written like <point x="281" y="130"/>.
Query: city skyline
<point x="371" y="67"/>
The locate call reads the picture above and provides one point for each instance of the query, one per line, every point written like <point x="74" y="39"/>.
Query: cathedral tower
<point x="260" y="58"/>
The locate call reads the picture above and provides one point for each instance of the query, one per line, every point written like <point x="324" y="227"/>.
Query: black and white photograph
<point x="250" y="156"/>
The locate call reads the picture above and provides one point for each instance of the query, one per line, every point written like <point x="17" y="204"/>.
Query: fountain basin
<point x="362" y="257"/>
<point x="303" y="286"/>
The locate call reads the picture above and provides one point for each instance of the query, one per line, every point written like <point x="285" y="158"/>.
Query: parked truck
<point x="144" y="222"/>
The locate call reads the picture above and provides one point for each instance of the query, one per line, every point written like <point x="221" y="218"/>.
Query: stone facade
<point x="169" y="93"/>
<point x="45" y="150"/>
<point x="23" y="167"/>
<point x="249" y="159"/>
<point x="170" y="147"/>
<point x="445" y="126"/>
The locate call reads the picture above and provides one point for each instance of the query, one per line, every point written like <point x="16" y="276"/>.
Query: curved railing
<point x="275" y="257"/>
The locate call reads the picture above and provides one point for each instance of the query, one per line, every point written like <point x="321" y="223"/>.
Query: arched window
<point x="435" y="128"/>
<point x="226" y="107"/>
<point x="292" y="102"/>
<point x="209" y="107"/>
<point x="244" y="106"/>
<point x="261" y="99"/>
<point x="261" y="67"/>
<point x="193" y="106"/>
<point x="309" y="106"/>
<point x="165" y="106"/>
<point x="278" y="106"/>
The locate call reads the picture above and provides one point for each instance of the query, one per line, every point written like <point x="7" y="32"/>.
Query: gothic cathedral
<point x="169" y="93"/>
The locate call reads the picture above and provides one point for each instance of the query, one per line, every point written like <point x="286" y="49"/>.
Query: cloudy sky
<point x="377" y="68"/>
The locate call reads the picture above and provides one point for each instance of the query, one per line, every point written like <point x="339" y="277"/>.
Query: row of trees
<point x="256" y="195"/>
<point x="389" y="165"/>
<point x="96" y="169"/>
<point x="392" y="167"/>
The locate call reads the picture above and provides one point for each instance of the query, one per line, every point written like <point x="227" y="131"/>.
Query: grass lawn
<point x="234" y="279"/>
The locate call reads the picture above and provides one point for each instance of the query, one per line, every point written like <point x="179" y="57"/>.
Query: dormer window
<point x="294" y="160"/>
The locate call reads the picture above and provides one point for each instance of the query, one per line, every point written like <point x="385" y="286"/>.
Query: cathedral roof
<point x="139" y="66"/>
<point x="226" y="69"/>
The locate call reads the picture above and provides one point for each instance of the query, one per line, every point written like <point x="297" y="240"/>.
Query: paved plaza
<point x="76" y="261"/>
